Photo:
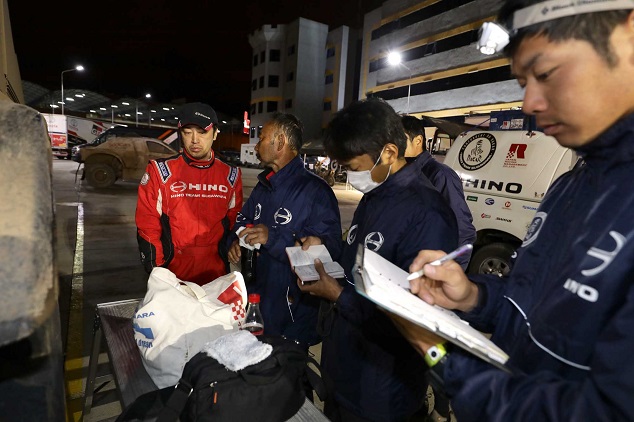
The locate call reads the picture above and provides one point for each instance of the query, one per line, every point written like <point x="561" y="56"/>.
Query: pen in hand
<point x="451" y="255"/>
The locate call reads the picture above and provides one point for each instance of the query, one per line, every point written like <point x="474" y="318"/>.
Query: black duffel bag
<point x="272" y="390"/>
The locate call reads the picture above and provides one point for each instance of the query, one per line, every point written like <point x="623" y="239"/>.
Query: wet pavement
<point x="97" y="260"/>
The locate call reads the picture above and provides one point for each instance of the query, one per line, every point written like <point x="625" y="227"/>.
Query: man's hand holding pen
<point x="445" y="285"/>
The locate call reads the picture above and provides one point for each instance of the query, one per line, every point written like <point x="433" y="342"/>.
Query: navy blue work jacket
<point x="573" y="282"/>
<point x="376" y="372"/>
<point x="448" y="183"/>
<point x="292" y="203"/>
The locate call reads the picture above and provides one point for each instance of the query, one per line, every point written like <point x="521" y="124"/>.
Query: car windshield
<point x="100" y="139"/>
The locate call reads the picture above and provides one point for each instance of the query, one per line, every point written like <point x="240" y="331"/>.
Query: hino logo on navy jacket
<point x="396" y="219"/>
<point x="291" y="203"/>
<point x="283" y="216"/>
<point x="572" y="282"/>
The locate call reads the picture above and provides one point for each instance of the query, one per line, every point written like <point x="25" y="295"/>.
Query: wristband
<point x="434" y="354"/>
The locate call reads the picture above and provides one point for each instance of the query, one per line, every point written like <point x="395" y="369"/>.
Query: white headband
<point x="494" y="37"/>
<point x="555" y="9"/>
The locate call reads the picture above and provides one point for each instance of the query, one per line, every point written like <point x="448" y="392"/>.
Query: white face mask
<point x="362" y="180"/>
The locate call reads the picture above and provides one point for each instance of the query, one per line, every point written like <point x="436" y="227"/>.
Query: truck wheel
<point x="494" y="258"/>
<point x="100" y="175"/>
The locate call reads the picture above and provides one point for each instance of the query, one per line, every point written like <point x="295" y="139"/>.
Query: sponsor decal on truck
<point x="505" y="174"/>
<point x="57" y="130"/>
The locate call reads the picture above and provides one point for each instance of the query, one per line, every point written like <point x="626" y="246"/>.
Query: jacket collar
<point x="615" y="145"/>
<point x="201" y="164"/>
<point x="396" y="182"/>
<point x="272" y="180"/>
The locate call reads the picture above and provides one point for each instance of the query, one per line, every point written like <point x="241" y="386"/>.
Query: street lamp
<point x="78" y="67"/>
<point x="112" y="107"/>
<point x="394" y="59"/>
<point x="148" y="96"/>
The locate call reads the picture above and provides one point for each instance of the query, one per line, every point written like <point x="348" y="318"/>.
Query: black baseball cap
<point x="199" y="114"/>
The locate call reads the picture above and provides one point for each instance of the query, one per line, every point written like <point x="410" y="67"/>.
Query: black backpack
<point x="272" y="390"/>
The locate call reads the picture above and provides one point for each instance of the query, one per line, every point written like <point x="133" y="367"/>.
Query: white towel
<point x="238" y="350"/>
<point x="245" y="244"/>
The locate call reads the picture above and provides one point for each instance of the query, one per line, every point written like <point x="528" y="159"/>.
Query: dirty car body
<point x="122" y="158"/>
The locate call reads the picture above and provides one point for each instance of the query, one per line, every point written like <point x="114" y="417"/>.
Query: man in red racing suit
<point x="187" y="204"/>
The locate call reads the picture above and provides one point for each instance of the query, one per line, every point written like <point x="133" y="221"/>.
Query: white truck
<point x="69" y="131"/>
<point x="505" y="174"/>
<point x="247" y="156"/>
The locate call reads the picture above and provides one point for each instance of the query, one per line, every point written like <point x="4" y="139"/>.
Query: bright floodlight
<point x="493" y="38"/>
<point x="394" y="58"/>
<point x="79" y="67"/>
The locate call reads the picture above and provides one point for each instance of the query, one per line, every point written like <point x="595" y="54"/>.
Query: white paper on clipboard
<point x="386" y="285"/>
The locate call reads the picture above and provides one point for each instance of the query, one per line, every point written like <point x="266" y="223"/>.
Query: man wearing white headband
<point x="565" y="313"/>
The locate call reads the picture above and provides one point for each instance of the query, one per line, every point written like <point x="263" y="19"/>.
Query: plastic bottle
<point x="253" y="321"/>
<point x="247" y="263"/>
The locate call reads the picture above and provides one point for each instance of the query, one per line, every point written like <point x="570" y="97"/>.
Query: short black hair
<point x="594" y="27"/>
<point x="292" y="127"/>
<point x="413" y="127"/>
<point x="364" y="127"/>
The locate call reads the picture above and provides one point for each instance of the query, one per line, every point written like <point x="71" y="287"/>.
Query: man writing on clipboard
<point x="566" y="311"/>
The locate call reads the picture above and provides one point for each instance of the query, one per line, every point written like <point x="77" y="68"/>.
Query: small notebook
<point x="386" y="285"/>
<point x="303" y="262"/>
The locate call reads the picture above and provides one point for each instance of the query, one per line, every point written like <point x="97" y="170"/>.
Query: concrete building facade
<point x="11" y="85"/>
<point x="442" y="68"/>
<point x="305" y="69"/>
<point x="288" y="74"/>
<point x="341" y="75"/>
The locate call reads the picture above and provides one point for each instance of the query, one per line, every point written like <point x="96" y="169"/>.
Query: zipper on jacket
<point x="214" y="393"/>
<point x="540" y="345"/>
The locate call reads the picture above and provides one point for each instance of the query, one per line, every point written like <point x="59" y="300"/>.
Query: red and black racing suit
<point x="185" y="210"/>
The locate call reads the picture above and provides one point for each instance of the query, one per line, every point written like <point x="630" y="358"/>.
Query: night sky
<point x="198" y="50"/>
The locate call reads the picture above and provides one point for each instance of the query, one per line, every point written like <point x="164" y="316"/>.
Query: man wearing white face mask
<point x="377" y="375"/>
<point x="362" y="180"/>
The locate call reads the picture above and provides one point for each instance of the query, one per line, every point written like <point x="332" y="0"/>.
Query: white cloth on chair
<point x="237" y="350"/>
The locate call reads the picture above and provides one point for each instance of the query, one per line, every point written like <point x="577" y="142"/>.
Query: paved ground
<point x="98" y="262"/>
